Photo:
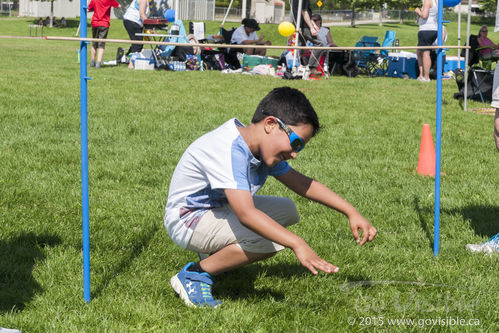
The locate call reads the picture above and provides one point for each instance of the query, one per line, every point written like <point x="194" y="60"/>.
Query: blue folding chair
<point x="371" y="62"/>
<point x="363" y="58"/>
<point x="380" y="68"/>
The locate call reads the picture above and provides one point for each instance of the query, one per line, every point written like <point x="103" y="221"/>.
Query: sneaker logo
<point x="190" y="289"/>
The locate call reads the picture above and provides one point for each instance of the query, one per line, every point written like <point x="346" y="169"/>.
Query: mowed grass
<point x="139" y="124"/>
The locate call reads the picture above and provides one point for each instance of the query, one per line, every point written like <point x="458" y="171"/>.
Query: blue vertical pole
<point x="84" y="152"/>
<point x="436" y="224"/>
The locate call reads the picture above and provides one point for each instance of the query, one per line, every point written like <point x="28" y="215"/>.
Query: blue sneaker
<point x="194" y="288"/>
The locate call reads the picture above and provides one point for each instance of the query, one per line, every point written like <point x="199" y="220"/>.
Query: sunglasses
<point x="485" y="31"/>
<point x="295" y="141"/>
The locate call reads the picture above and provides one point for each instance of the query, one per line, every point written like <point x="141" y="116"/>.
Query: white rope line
<point x="214" y="45"/>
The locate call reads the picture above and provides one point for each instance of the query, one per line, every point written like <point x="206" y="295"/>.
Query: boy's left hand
<point x="357" y="222"/>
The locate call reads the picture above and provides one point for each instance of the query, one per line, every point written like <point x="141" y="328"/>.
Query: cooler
<point x="452" y="62"/>
<point x="403" y="65"/>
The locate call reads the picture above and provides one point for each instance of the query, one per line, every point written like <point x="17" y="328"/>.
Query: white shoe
<point x="490" y="246"/>
<point x="9" y="330"/>
<point x="422" y="79"/>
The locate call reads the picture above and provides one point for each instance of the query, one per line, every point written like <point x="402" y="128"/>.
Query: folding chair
<point x="380" y="66"/>
<point x="482" y="83"/>
<point x="198" y="30"/>
<point x="365" y="58"/>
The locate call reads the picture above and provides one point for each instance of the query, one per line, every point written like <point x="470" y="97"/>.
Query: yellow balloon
<point x="286" y="28"/>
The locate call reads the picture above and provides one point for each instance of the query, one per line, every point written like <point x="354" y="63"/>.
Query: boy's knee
<point x="293" y="216"/>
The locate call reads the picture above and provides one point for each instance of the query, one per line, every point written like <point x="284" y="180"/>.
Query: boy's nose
<point x="294" y="154"/>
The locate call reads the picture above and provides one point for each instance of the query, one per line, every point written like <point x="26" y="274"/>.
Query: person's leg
<point x="426" y="64"/>
<point x="260" y="52"/>
<point x="233" y="245"/>
<point x="419" y="54"/>
<point x="249" y="51"/>
<point x="229" y="258"/>
<point x="92" y="53"/>
<point x="133" y="28"/>
<point x="496" y="128"/>
<point x="93" y="48"/>
<point x="101" y="45"/>
<point x="315" y="55"/>
<point x="100" y="54"/>
<point x="495" y="104"/>
<point x="181" y="52"/>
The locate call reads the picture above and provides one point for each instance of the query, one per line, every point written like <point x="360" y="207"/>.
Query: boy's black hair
<point x="289" y="105"/>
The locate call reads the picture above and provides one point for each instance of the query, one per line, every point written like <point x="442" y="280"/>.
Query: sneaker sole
<point x="179" y="289"/>
<point x="182" y="293"/>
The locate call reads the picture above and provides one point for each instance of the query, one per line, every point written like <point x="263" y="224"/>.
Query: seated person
<point x="64" y="23"/>
<point x="489" y="49"/>
<point x="179" y="52"/>
<point x="246" y="35"/>
<point x="324" y="35"/>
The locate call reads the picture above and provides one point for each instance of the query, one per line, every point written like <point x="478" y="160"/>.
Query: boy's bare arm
<point x="314" y="190"/>
<point x="242" y="204"/>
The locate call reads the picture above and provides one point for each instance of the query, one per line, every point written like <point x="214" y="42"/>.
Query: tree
<point x="489" y="6"/>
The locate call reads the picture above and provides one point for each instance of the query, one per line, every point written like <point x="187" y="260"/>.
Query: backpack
<point x="214" y="61"/>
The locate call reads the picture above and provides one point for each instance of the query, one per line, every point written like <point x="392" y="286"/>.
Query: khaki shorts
<point x="220" y="227"/>
<point x="101" y="33"/>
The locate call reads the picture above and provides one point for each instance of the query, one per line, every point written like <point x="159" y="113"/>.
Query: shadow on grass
<point x="140" y="243"/>
<point x="421" y="215"/>
<point x="17" y="258"/>
<point x="240" y="284"/>
<point x="483" y="219"/>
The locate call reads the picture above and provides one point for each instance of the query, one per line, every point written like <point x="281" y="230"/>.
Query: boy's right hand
<point x="312" y="261"/>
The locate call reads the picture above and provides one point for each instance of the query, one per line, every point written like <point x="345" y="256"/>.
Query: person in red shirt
<point x="100" y="26"/>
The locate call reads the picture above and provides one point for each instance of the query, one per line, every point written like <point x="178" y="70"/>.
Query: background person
<point x="428" y="30"/>
<point x="246" y="35"/>
<point x="324" y="33"/>
<point x="492" y="245"/>
<point x="308" y="32"/>
<point x="212" y="204"/>
<point x="489" y="48"/>
<point x="133" y="20"/>
<point x="100" y="27"/>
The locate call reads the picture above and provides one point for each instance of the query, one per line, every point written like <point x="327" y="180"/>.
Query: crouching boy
<point x="212" y="204"/>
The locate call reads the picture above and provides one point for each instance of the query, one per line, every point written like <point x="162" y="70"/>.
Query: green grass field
<point x="139" y="124"/>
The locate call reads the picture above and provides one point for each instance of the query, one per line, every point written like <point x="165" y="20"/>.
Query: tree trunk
<point x="352" y="19"/>
<point x="381" y="16"/>
<point x="51" y="13"/>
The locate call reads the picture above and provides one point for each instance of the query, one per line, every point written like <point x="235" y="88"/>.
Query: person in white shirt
<point x="426" y="36"/>
<point x="323" y="33"/>
<point x="246" y="35"/>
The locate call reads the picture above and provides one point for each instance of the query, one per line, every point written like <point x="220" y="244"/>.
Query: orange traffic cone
<point x="427" y="157"/>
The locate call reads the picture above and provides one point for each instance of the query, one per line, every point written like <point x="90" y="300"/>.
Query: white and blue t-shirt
<point x="216" y="161"/>
<point x="133" y="14"/>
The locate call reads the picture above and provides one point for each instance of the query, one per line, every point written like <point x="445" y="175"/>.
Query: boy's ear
<point x="268" y="124"/>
